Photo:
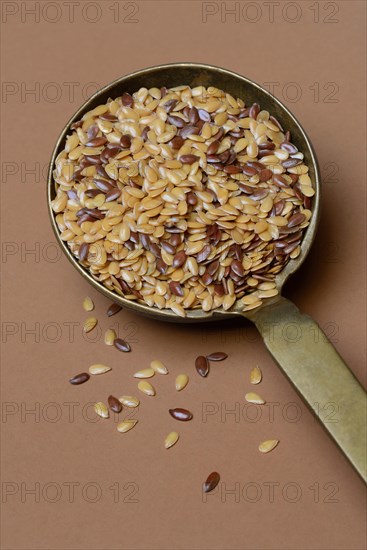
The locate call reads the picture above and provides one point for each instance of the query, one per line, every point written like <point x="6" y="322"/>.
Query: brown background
<point x="319" y="502"/>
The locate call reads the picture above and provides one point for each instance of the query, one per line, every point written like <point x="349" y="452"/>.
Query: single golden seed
<point x="171" y="439"/>
<point x="145" y="373"/>
<point x="255" y="375"/>
<point x="126" y="426"/>
<point x="129" y="401"/>
<point x="88" y="304"/>
<point x="252" y="397"/>
<point x="181" y="382"/>
<point x="99" y="369"/>
<point x="268" y="445"/>
<point x="89" y="324"/>
<point x="110" y="336"/>
<point x="159" y="367"/>
<point x="146" y="388"/>
<point x="101" y="409"/>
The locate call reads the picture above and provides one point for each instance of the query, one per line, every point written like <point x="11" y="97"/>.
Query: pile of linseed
<point x="182" y="198"/>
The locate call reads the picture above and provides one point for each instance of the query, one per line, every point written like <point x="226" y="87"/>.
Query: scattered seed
<point x="113" y="309"/>
<point x="129" y="401"/>
<point x="181" y="414"/>
<point x="114" y="404"/>
<point x="145" y="373"/>
<point x="181" y="381"/>
<point x="268" y="445"/>
<point x="217" y="356"/>
<point x="101" y="410"/>
<point x="211" y="482"/>
<point x="171" y="439"/>
<point x="89" y="324"/>
<point x="252" y="397"/>
<point x="126" y="426"/>
<point x="88" y="304"/>
<point x="202" y="365"/>
<point x="79" y="378"/>
<point x="121" y="345"/>
<point x="110" y="337"/>
<point x="99" y="369"/>
<point x="146" y="388"/>
<point x="255" y="375"/>
<point x="159" y="367"/>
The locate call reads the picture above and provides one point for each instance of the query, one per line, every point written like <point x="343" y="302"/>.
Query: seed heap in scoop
<point x="182" y="198"/>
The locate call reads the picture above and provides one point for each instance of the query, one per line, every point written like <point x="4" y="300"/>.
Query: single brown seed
<point x="204" y="115"/>
<point x="254" y="110"/>
<point x="191" y="199"/>
<point x="114" y="404"/>
<point x="127" y="99"/>
<point x="202" y="365"/>
<point x="249" y="170"/>
<point x="211" y="482"/>
<point x="96" y="142"/>
<point x="232" y="169"/>
<point x="237" y="268"/>
<point x="207" y="279"/>
<point x="193" y="115"/>
<point x="176" y="121"/>
<point x="168" y="247"/>
<point x="181" y="414"/>
<point x="170" y="105"/>
<point x="189" y="159"/>
<point x="179" y="259"/>
<point x="188" y="130"/>
<point x="265" y="174"/>
<point x="289" y="147"/>
<point x="108" y="116"/>
<point x="125" y="141"/>
<point x="121" y="345"/>
<point x="113" y="309"/>
<point x="177" y="142"/>
<point x="112" y="195"/>
<point x="212" y="268"/>
<point x="203" y="254"/>
<point x="296" y="219"/>
<point x="176" y="288"/>
<point x="279" y="180"/>
<point x="79" y="378"/>
<point x="161" y="266"/>
<point x="290" y="163"/>
<point x="83" y="251"/>
<point x="213" y="147"/>
<point x="217" y="356"/>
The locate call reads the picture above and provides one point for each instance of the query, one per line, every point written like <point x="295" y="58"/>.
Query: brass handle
<point x="318" y="373"/>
